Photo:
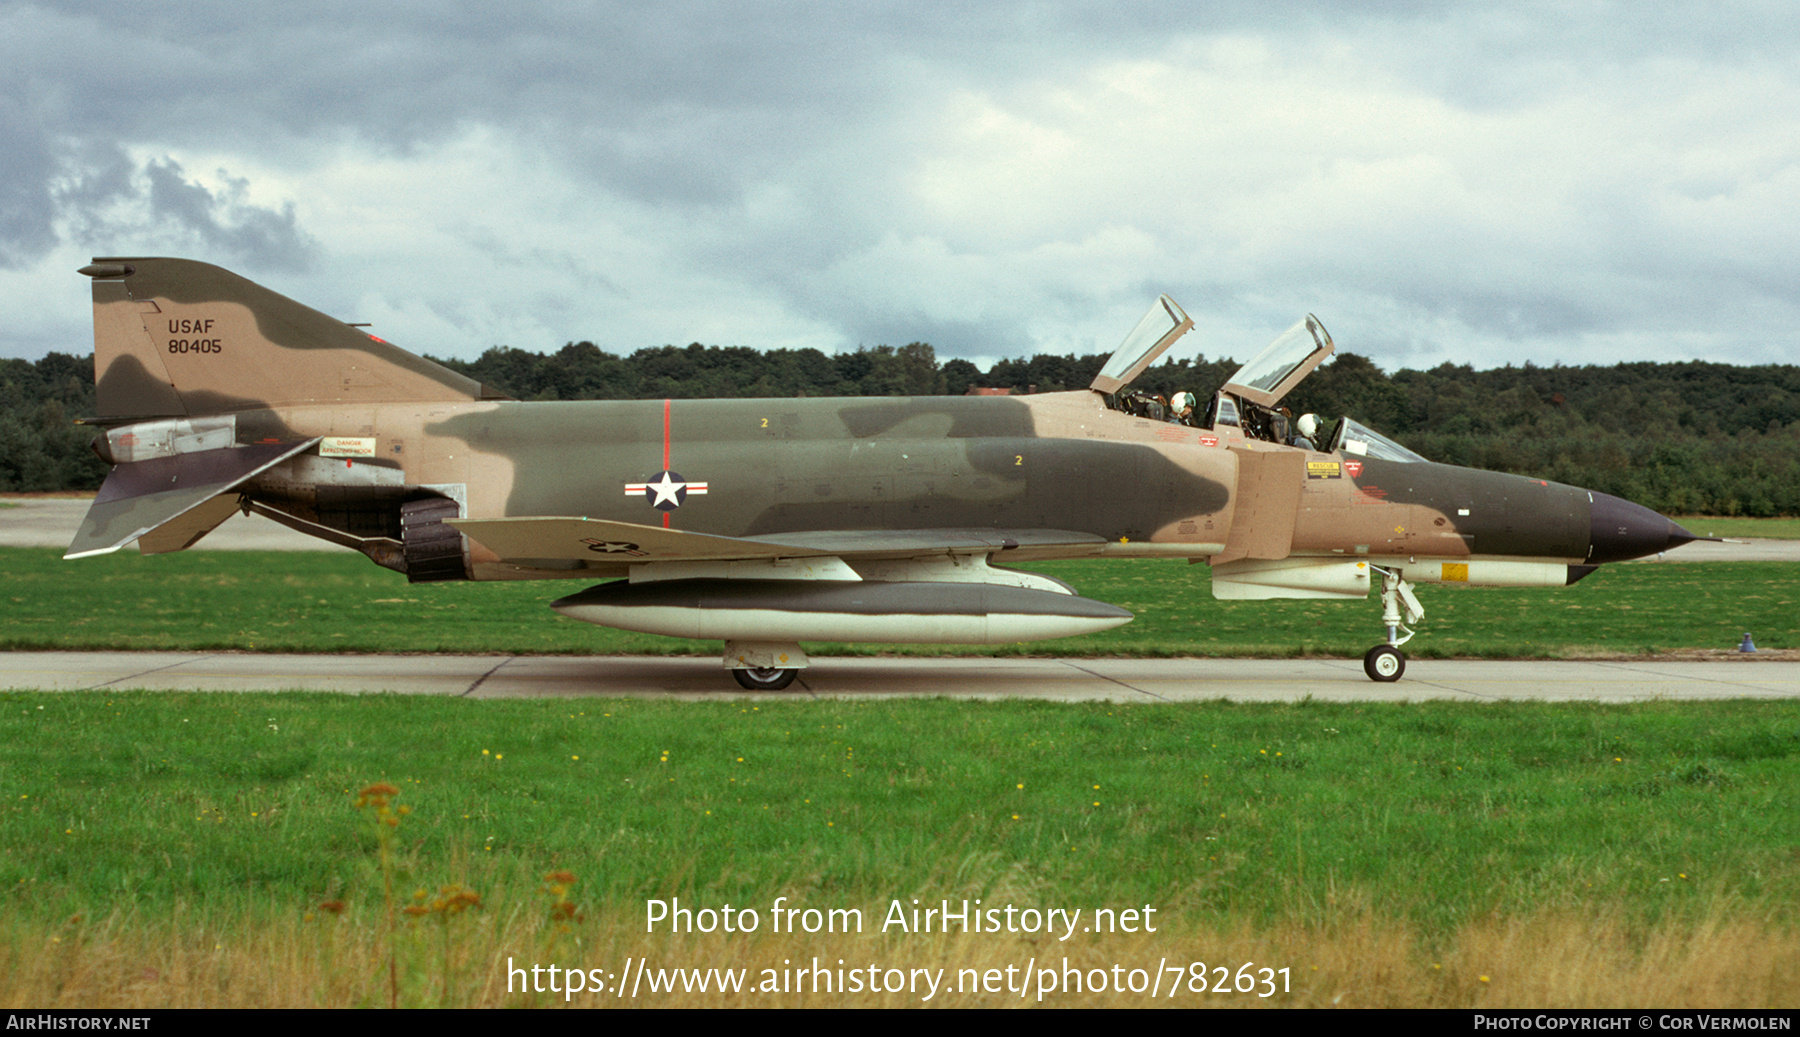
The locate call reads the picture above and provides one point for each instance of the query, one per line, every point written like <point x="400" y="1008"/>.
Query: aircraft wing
<point x="525" y="540"/>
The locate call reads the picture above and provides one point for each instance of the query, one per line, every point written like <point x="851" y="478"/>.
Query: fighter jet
<point x="767" y="523"/>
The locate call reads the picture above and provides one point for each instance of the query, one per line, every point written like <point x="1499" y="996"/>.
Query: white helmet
<point x="1308" y="425"/>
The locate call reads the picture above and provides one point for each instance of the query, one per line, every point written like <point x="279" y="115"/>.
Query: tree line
<point x="1694" y="437"/>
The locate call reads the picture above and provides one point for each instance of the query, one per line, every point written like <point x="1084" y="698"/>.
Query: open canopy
<point x="1269" y="376"/>
<point x="1155" y="333"/>
<point x="1283" y="363"/>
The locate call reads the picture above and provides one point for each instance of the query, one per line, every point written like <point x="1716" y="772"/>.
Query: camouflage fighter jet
<point x="765" y="523"/>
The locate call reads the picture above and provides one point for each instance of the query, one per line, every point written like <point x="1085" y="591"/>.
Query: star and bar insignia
<point x="666" y="492"/>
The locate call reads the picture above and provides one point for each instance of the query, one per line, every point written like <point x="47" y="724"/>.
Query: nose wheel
<point x="1384" y="663"/>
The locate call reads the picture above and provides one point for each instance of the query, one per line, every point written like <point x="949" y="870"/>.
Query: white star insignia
<point x="665" y="489"/>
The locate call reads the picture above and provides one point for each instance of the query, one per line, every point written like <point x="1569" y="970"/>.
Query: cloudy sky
<point x="1479" y="183"/>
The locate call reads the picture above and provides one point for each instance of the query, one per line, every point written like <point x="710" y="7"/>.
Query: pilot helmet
<point x="1308" y="425"/>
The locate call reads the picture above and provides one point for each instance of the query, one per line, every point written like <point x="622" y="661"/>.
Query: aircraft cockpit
<point x="1353" y="437"/>
<point x="1248" y="406"/>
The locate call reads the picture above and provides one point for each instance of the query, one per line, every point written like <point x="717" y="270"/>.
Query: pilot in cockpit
<point x="1306" y="432"/>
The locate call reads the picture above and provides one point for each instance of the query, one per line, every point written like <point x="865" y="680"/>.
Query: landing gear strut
<point x="1399" y="610"/>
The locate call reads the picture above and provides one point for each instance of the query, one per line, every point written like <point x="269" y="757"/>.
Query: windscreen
<point x="1364" y="441"/>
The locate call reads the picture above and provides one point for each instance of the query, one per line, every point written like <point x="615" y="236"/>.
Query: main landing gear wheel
<point x="1383" y="663"/>
<point x="764" y="678"/>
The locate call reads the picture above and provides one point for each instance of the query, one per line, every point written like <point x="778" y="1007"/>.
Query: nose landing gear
<point x="1399" y="610"/>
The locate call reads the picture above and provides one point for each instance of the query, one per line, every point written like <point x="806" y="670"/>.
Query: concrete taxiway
<point x="1113" y="680"/>
<point x="52" y="521"/>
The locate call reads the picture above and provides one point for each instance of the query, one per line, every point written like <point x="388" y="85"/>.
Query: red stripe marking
<point x="666" y="406"/>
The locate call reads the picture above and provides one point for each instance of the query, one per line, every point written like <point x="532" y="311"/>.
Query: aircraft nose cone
<point x="1620" y="530"/>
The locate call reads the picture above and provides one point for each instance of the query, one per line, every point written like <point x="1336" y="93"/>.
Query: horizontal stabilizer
<point x="139" y="496"/>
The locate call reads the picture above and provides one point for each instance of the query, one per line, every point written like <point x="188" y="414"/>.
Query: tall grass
<point x="207" y="849"/>
<point x="273" y="956"/>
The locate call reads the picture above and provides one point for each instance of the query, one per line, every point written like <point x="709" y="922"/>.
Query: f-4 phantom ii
<point x="764" y="523"/>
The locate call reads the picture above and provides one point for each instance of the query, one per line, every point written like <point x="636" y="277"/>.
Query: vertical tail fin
<point x="179" y="338"/>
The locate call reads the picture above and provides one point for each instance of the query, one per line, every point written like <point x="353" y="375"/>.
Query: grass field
<point x="314" y="602"/>
<point x="188" y="849"/>
<point x="206" y="849"/>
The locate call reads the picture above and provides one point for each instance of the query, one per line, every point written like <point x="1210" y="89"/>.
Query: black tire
<point x="764" y="678"/>
<point x="1384" y="663"/>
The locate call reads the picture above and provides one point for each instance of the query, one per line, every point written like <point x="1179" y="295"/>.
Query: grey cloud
<point x="27" y="218"/>
<point x="1516" y="315"/>
<point x="107" y="203"/>
<point x="948" y="338"/>
<point x="225" y="222"/>
<point x="633" y="82"/>
<point x="671" y="101"/>
<point x="92" y="176"/>
<point x="695" y="114"/>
